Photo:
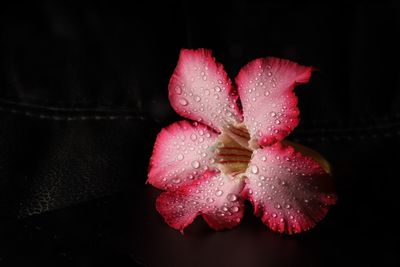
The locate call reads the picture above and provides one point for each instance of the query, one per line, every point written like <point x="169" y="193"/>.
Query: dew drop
<point x="212" y="160"/>
<point x="207" y="92"/>
<point x="231" y="197"/>
<point x="272" y="114"/>
<point x="235" y="209"/>
<point x="178" y="90"/>
<point x="180" y="157"/>
<point x="183" y="102"/>
<point x="195" y="164"/>
<point x="219" y="193"/>
<point x="277" y="122"/>
<point x="288" y="206"/>
<point x="267" y="93"/>
<point x="274" y="215"/>
<point x="176" y="180"/>
<point x="193" y="137"/>
<point x="262" y="178"/>
<point x="197" y="98"/>
<point x="217" y="89"/>
<point x="254" y="169"/>
<point x="278" y="206"/>
<point x="264" y="158"/>
<point x="210" y="200"/>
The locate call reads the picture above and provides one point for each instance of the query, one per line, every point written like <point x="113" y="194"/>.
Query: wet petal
<point x="182" y="153"/>
<point x="200" y="90"/>
<point x="215" y="196"/>
<point x="289" y="191"/>
<point x="265" y="88"/>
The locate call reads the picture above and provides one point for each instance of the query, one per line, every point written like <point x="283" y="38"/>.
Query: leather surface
<point x="83" y="94"/>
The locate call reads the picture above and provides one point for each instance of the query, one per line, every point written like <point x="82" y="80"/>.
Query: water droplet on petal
<point x="195" y="164"/>
<point x="231" y="197"/>
<point x="180" y="157"/>
<point x="197" y="98"/>
<point x="277" y="122"/>
<point x="210" y="200"/>
<point x="178" y="90"/>
<point x="176" y="180"/>
<point x="262" y="178"/>
<point x="193" y="137"/>
<point x="267" y="93"/>
<point x="235" y="209"/>
<point x="272" y="114"/>
<point x="264" y="158"/>
<point x="254" y="169"/>
<point x="288" y="206"/>
<point x="183" y="102"/>
<point x="274" y="215"/>
<point x="278" y="206"/>
<point x="217" y="89"/>
<point x="219" y="193"/>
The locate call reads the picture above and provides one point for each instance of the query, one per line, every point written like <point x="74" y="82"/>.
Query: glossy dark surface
<point x="83" y="93"/>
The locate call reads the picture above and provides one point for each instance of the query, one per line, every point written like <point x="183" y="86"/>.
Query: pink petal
<point x="265" y="88"/>
<point x="181" y="154"/>
<point x="289" y="191"/>
<point x="200" y="90"/>
<point x="215" y="196"/>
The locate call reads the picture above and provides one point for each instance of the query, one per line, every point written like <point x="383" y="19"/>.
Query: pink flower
<point x="235" y="152"/>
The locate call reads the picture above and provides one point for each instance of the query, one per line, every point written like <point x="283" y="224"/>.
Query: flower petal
<point x="289" y="191"/>
<point x="265" y="88"/>
<point x="200" y="90"/>
<point x="215" y="196"/>
<point x="182" y="152"/>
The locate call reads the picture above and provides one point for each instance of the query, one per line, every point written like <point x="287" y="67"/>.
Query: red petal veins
<point x="290" y="192"/>
<point x="200" y="90"/>
<point x="182" y="153"/>
<point x="265" y="88"/>
<point x="216" y="197"/>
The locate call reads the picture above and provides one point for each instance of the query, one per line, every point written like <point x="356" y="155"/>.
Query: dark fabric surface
<point x="83" y="93"/>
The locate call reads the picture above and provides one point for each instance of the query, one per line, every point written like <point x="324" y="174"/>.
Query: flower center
<point x="233" y="152"/>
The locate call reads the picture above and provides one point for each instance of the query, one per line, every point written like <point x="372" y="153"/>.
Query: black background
<point x="83" y="93"/>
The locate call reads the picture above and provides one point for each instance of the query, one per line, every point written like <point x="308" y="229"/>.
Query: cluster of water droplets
<point x="187" y="155"/>
<point x="284" y="186"/>
<point x="203" y="94"/>
<point x="268" y="110"/>
<point x="210" y="197"/>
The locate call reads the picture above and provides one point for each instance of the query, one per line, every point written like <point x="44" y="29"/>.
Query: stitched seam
<point x="69" y="117"/>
